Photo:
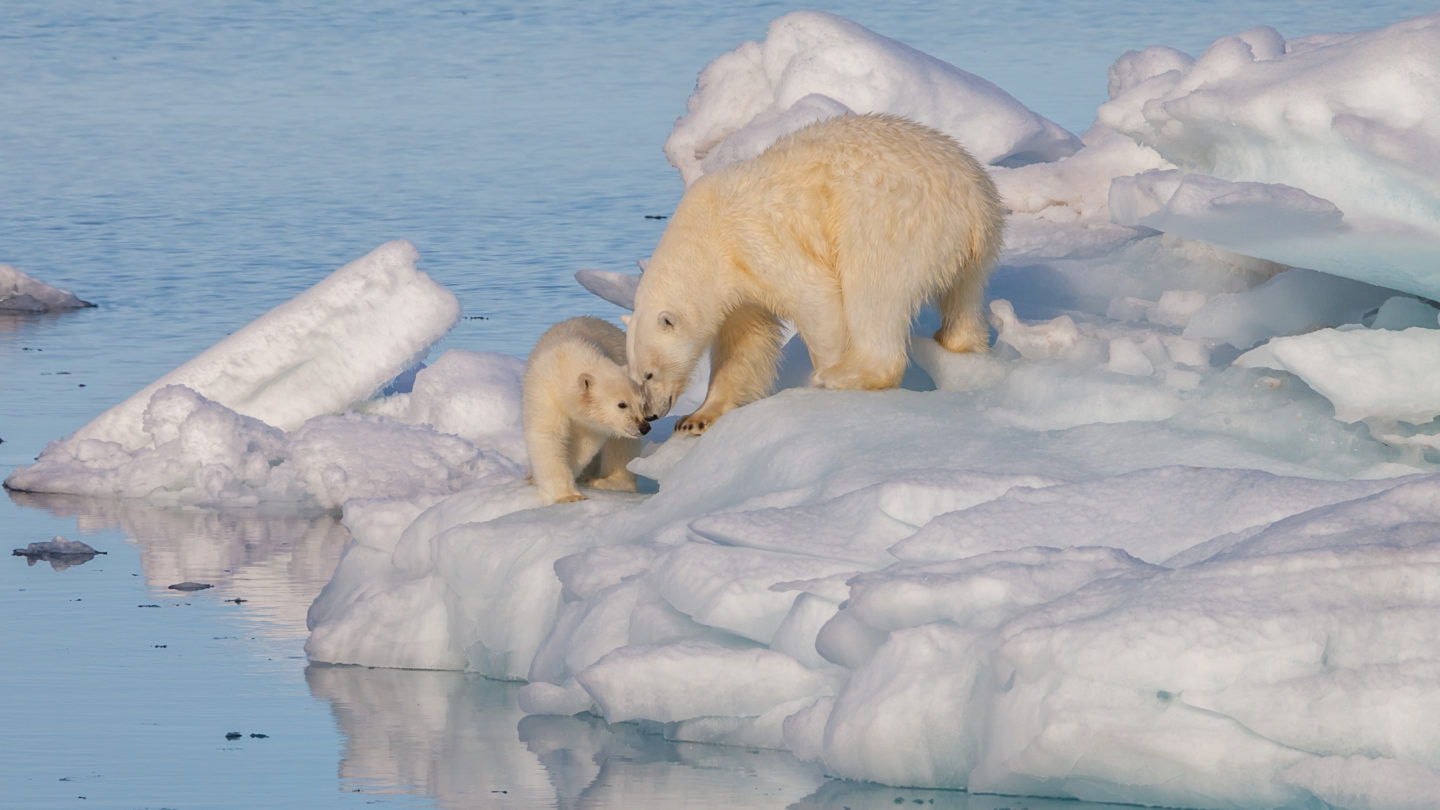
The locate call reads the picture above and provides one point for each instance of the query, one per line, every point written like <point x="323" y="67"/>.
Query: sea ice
<point x="324" y="350"/>
<point x="21" y="293"/>
<point x="1100" y="561"/>
<point x="813" y="65"/>
<point x="1293" y="302"/>
<point x="59" y="552"/>
<point x="1379" y="374"/>
<point x="1319" y="152"/>
<point x="295" y="369"/>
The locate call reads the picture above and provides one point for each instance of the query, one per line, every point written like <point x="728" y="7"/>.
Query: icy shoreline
<point x="1170" y="542"/>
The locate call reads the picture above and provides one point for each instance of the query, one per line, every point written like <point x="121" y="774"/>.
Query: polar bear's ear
<point x="625" y="319"/>
<point x="585" y="382"/>
<point x="667" y="321"/>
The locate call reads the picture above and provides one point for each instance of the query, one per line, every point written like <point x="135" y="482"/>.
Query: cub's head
<point x="661" y="350"/>
<point x="608" y="398"/>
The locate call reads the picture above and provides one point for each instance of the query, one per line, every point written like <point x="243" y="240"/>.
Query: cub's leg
<point x="743" y="361"/>
<point x="614" y="455"/>
<point x="550" y="464"/>
<point x="584" y="445"/>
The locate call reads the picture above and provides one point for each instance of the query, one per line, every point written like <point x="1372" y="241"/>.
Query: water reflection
<point x="461" y="739"/>
<point x="451" y="739"/>
<point x="448" y="735"/>
<point x="276" y="561"/>
<point x="17" y="322"/>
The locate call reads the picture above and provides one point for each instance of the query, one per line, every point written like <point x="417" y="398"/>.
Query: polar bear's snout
<point x="656" y="410"/>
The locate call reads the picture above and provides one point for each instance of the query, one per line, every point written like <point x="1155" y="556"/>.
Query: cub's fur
<point x="580" y="406"/>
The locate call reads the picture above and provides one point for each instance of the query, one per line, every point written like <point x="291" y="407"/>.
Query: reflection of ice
<point x="621" y="765"/>
<point x="453" y="735"/>
<point x="450" y="735"/>
<point x="461" y="739"/>
<point x="276" y="562"/>
<point x="836" y="794"/>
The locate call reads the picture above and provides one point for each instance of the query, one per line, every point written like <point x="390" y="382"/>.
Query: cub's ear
<point x="625" y="319"/>
<point x="586" y="381"/>
<point x="667" y="321"/>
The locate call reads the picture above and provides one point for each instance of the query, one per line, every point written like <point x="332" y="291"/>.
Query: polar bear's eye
<point x="649" y="375"/>
<point x="622" y="406"/>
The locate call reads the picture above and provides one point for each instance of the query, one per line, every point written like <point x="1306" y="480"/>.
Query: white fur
<point x="845" y="227"/>
<point x="579" y="404"/>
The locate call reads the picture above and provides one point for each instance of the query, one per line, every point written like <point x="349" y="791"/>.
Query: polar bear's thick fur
<point x="579" y="403"/>
<point x="845" y="228"/>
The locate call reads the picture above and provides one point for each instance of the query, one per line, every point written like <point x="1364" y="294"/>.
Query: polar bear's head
<point x="682" y="298"/>
<point x="609" y="399"/>
<point x="662" y="348"/>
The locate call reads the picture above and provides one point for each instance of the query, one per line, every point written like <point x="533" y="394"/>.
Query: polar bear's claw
<point x="693" y="425"/>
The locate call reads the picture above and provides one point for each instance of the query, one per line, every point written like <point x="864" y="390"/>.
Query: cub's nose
<point x="651" y="418"/>
<point x="644" y="428"/>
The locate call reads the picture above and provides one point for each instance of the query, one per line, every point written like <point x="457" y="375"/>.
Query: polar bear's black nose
<point x="651" y="418"/>
<point x="644" y="428"/>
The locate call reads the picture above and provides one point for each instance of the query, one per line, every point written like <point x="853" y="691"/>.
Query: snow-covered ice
<point x="814" y="65"/>
<point x="1321" y="152"/>
<point x="325" y="349"/>
<point x="1376" y="374"/>
<point x="1172" y="541"/>
<point x="22" y="293"/>
<point x="258" y="416"/>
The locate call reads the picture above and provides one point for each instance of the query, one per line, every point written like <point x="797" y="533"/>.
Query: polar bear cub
<point x="580" y="407"/>
<point x="844" y="227"/>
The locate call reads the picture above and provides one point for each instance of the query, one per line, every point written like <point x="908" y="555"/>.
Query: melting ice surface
<point x="1173" y="541"/>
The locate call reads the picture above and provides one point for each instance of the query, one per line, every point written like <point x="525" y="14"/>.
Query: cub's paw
<point x="566" y="497"/>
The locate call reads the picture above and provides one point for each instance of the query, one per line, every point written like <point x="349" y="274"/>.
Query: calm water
<point x="190" y="164"/>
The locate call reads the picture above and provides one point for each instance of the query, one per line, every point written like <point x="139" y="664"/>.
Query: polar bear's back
<point x="866" y="135"/>
<point x="875" y="150"/>
<point x="863" y="194"/>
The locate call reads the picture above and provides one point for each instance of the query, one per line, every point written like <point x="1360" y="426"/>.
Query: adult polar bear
<point x="845" y="228"/>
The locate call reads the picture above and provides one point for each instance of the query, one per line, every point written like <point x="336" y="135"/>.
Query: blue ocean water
<point x="188" y="165"/>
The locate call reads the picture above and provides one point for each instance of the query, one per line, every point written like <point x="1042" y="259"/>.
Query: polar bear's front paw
<point x="694" y="424"/>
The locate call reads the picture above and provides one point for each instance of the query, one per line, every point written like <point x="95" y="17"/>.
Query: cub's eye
<point x="622" y="406"/>
<point x="649" y="375"/>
